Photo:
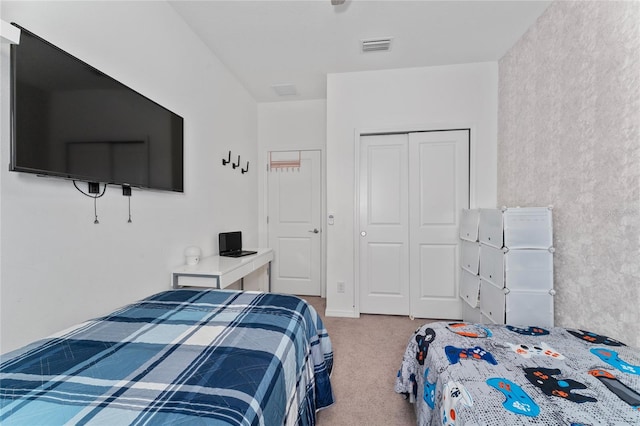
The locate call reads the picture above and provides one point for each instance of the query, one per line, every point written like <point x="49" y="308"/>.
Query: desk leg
<point x="174" y="281"/>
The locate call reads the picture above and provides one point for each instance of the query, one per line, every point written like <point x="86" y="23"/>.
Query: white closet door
<point x="384" y="221"/>
<point x="412" y="188"/>
<point x="439" y="190"/>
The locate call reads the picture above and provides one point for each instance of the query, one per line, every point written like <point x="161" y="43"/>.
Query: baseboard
<point x="339" y="313"/>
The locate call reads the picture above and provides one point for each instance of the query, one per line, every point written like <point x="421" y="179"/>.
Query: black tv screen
<point x="70" y="120"/>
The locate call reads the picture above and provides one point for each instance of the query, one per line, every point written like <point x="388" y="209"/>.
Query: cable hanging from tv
<point x="94" y="192"/>
<point x="93" y="188"/>
<point x="126" y="191"/>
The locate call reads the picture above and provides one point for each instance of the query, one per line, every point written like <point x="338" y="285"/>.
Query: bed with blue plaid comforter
<point x="178" y="357"/>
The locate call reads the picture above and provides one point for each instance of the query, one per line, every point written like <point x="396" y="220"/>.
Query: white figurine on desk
<point x="192" y="255"/>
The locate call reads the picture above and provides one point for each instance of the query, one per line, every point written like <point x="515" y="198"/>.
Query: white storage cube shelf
<point x="472" y="315"/>
<point x="517" y="269"/>
<point x="516" y="228"/>
<point x="469" y="221"/>
<point x="516" y="307"/>
<point x="507" y="266"/>
<point x="470" y="289"/>
<point x="470" y="256"/>
<point x="527" y="308"/>
<point x="492" y="302"/>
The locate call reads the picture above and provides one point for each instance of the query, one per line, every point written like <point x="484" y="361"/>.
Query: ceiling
<point x="265" y="42"/>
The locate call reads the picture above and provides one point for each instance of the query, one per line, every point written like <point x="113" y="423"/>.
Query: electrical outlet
<point x="340" y="286"/>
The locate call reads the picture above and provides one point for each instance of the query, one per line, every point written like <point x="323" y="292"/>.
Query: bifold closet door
<point x="412" y="188"/>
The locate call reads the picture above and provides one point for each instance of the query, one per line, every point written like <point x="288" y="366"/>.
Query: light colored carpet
<point x="367" y="355"/>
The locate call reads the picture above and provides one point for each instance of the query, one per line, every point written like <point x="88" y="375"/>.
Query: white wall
<point x="291" y="125"/>
<point x="57" y="267"/>
<point x="569" y="135"/>
<point x="408" y="99"/>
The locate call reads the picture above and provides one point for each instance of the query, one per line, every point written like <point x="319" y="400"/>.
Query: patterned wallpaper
<point x="569" y="136"/>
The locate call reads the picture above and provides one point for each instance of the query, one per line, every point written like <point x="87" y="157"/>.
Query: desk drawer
<point x="197" y="281"/>
<point x="237" y="274"/>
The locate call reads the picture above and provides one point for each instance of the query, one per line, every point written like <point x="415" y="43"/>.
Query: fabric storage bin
<point x="470" y="289"/>
<point x="470" y="256"/>
<point x="469" y="221"/>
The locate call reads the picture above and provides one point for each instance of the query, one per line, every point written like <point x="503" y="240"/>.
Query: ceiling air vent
<point x="286" y="89"/>
<point x="376" y="44"/>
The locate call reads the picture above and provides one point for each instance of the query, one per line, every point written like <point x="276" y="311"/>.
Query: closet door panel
<point x="383" y="235"/>
<point x="439" y="271"/>
<point x="439" y="191"/>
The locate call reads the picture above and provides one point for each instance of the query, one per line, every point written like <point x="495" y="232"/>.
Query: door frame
<point x="358" y="133"/>
<point x="264" y="225"/>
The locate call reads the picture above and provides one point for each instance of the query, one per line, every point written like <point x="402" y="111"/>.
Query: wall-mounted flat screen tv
<point x="70" y="120"/>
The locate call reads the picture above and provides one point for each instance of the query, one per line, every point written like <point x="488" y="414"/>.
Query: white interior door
<point x="294" y="215"/>
<point x="412" y="188"/>
<point x="384" y="225"/>
<point x="439" y="190"/>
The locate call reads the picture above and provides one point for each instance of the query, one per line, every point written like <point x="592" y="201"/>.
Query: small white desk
<point x="221" y="271"/>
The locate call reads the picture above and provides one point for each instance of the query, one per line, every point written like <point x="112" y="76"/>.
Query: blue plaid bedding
<point x="178" y="357"/>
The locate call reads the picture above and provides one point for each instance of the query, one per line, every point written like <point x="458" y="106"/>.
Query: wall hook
<point x="227" y="161"/>
<point x="236" y="164"/>
<point x="245" y="170"/>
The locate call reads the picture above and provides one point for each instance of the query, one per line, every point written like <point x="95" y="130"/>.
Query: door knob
<point x="315" y="230"/>
<point x="363" y="233"/>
